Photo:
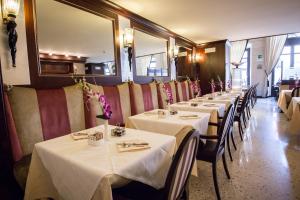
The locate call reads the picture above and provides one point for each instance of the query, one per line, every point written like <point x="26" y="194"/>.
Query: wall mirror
<point x="72" y="41"/>
<point x="151" y="55"/>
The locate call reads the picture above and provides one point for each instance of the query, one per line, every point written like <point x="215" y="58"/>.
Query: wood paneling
<point x="213" y="64"/>
<point x="184" y="65"/>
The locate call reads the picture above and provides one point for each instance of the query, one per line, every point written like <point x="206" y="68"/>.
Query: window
<point x="288" y="67"/>
<point x="245" y="68"/>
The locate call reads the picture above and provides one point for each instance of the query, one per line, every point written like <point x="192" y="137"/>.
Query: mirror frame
<point x="151" y="32"/>
<point x="40" y="80"/>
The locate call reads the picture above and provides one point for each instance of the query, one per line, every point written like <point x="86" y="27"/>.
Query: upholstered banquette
<point x="36" y="115"/>
<point x="143" y="97"/>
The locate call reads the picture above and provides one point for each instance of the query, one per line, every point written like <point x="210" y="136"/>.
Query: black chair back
<point x="224" y="129"/>
<point x="181" y="166"/>
<point x="296" y="92"/>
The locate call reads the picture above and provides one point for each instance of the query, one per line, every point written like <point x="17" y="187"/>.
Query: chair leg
<point x="241" y="130"/>
<point x="233" y="142"/>
<point x="225" y="165"/>
<point x="214" y="169"/>
<point x="228" y="147"/>
<point x="249" y="111"/>
<point x="244" y="120"/>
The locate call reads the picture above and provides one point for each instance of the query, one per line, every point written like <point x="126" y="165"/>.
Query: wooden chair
<point x="212" y="150"/>
<point x="230" y="133"/>
<point x="240" y="114"/>
<point x="177" y="178"/>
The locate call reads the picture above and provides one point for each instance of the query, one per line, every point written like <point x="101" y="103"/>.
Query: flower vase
<point x="168" y="107"/>
<point x="105" y="130"/>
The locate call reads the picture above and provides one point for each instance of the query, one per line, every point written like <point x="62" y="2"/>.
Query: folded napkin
<point x="79" y="136"/>
<point x="189" y="117"/>
<point x="132" y="145"/>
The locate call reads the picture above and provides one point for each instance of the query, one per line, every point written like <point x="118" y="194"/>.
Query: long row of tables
<point x="63" y="168"/>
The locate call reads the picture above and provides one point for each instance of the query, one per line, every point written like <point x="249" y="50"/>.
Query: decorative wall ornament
<point x="10" y="10"/>
<point x="127" y="42"/>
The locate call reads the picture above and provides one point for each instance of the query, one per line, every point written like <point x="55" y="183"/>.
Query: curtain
<point x="237" y="51"/>
<point x="273" y="49"/>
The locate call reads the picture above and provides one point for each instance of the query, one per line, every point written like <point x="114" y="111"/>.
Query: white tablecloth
<point x="221" y="100"/>
<point x="215" y="111"/>
<point x="293" y="107"/>
<point x="169" y="125"/>
<point x="284" y="99"/>
<point x="80" y="171"/>
<point x="293" y="115"/>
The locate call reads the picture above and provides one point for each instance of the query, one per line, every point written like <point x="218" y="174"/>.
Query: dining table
<point x="216" y="110"/>
<point x="177" y="125"/>
<point x="292" y="108"/>
<point x="227" y="100"/>
<point x="293" y="115"/>
<point x="284" y="100"/>
<point x="64" y="168"/>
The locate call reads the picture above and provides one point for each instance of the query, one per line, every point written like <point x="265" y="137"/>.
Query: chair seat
<point x="135" y="191"/>
<point x="206" y="151"/>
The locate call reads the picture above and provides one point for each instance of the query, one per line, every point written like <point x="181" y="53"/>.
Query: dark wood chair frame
<point x="219" y="150"/>
<point x="135" y="187"/>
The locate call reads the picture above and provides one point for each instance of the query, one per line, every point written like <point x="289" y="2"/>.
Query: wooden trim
<point x="202" y="45"/>
<point x="115" y="8"/>
<point x="181" y="42"/>
<point x="39" y="80"/>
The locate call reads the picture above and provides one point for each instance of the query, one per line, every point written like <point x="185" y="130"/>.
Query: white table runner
<point x="76" y="169"/>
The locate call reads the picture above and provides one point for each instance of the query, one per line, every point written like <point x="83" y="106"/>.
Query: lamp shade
<point x="10" y="8"/>
<point x="128" y="37"/>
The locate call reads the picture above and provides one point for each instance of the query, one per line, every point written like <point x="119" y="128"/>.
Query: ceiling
<point x="209" y="20"/>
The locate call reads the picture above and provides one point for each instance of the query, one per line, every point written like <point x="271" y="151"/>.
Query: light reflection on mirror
<point x="151" y="55"/>
<point x="73" y="41"/>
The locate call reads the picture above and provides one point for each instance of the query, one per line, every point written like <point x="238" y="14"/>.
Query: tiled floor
<point x="266" y="165"/>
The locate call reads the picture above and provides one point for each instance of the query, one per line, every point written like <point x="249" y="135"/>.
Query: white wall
<point x="20" y="74"/>
<point x="257" y="75"/>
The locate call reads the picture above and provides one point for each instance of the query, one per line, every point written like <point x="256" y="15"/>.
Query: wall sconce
<point x="10" y="10"/>
<point x="174" y="55"/>
<point x="128" y="42"/>
<point x="174" y="52"/>
<point x="195" y="58"/>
